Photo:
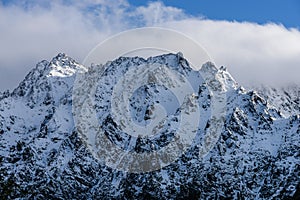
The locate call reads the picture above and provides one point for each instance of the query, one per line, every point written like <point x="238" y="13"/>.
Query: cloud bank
<point x="35" y="30"/>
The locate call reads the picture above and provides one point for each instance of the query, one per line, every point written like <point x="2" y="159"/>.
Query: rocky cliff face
<point x="42" y="156"/>
<point x="286" y="98"/>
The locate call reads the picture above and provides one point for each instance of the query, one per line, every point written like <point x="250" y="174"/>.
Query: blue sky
<point x="286" y="12"/>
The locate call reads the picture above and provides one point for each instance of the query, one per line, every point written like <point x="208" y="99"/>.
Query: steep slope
<point x="286" y="99"/>
<point x="42" y="155"/>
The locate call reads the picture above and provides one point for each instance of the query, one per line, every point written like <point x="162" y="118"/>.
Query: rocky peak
<point x="63" y="65"/>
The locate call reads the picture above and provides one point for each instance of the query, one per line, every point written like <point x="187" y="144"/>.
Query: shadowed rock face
<point x="43" y="157"/>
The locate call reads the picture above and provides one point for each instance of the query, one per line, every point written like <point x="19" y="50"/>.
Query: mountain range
<point x="43" y="155"/>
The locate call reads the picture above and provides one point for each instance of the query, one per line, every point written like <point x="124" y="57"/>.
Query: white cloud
<point x="251" y="52"/>
<point x="156" y="13"/>
<point x="30" y="35"/>
<point x="263" y="54"/>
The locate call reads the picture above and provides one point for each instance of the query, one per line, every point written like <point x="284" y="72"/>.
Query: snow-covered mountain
<point x="286" y="99"/>
<point x="42" y="155"/>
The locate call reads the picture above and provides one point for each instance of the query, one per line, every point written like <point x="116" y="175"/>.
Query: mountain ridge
<point x="42" y="155"/>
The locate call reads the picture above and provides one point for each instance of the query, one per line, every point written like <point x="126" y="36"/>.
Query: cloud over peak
<point x="35" y="30"/>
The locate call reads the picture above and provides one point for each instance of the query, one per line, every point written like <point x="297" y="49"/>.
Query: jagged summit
<point x="41" y="77"/>
<point x="42" y="155"/>
<point x="63" y="65"/>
